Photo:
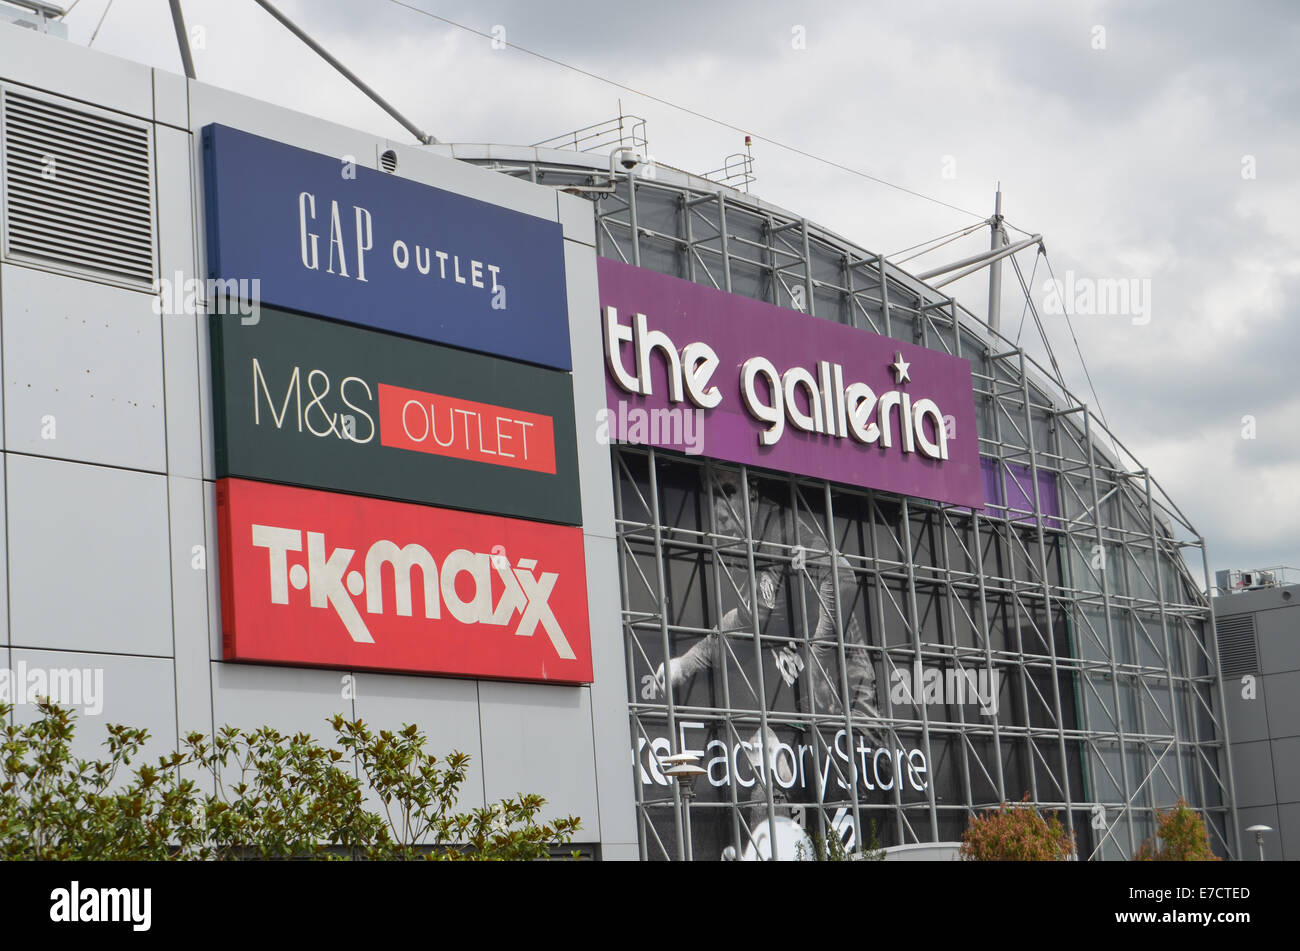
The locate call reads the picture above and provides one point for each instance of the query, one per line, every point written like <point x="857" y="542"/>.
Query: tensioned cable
<point x="942" y="239"/>
<point x="1082" y="362"/>
<point x="1024" y="310"/>
<point x="689" y="111"/>
<point x="108" y="6"/>
<point x="1042" y="331"/>
<point x="1101" y="413"/>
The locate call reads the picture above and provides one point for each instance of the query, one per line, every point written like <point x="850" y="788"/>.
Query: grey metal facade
<point x="1260" y="646"/>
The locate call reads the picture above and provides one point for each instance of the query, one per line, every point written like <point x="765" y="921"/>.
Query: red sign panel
<point x="464" y="429"/>
<point x="322" y="579"/>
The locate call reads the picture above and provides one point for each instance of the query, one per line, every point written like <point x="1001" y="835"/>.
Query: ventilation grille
<point x="77" y="190"/>
<point x="1238" y="650"/>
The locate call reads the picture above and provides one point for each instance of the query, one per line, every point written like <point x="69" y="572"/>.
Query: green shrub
<point x="273" y="796"/>
<point x="1016" y="833"/>
<point x="1182" y="838"/>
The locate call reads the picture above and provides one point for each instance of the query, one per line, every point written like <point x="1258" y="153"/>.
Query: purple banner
<point x="705" y="372"/>
<point x="1014" y="490"/>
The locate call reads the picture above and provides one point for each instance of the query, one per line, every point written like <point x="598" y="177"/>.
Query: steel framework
<point x="1083" y="603"/>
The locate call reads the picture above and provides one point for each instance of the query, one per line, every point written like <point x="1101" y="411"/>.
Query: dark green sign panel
<point x="305" y="401"/>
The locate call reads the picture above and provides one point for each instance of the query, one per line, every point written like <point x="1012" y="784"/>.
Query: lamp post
<point x="683" y="768"/>
<point x="1259" y="838"/>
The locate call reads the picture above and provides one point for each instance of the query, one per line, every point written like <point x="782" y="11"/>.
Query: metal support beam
<point x="182" y="38"/>
<point x="998" y="239"/>
<point x="978" y="261"/>
<point x="353" y="78"/>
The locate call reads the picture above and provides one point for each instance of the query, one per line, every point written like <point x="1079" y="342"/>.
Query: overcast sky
<point x="1152" y="142"/>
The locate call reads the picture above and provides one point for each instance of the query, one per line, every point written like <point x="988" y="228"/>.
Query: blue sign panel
<point x="322" y="235"/>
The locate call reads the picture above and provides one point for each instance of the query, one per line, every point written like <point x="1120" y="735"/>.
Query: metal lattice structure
<point x="1070" y="591"/>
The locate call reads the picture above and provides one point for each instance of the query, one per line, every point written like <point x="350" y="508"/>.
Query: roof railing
<point x="622" y="130"/>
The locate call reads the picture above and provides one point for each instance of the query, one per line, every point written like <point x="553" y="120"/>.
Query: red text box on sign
<point x="313" y="578"/>
<point x="465" y="429"/>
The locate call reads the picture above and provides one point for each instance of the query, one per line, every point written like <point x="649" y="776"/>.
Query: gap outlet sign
<point x="323" y="235"/>
<point x="702" y="371"/>
<point x="319" y="579"/>
<point x="310" y="402"/>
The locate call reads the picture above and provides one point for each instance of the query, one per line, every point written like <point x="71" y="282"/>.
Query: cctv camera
<point x="630" y="160"/>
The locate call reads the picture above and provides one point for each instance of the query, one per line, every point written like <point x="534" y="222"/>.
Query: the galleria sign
<point x="774" y="388"/>
<point x="820" y="404"/>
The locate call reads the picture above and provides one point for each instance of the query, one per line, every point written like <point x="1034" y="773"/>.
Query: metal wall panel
<point x="171" y="99"/>
<point x="192" y="561"/>
<point x="180" y="323"/>
<point x="1252" y="765"/>
<point x="213" y="574"/>
<point x="1278" y="634"/>
<point x="1281" y="694"/>
<point x="290" y="699"/>
<point x="4" y="561"/>
<point x="207" y="446"/>
<point x="611" y="736"/>
<point x="537" y="739"/>
<point x="445" y="710"/>
<point x="137" y="691"/>
<point x="1248" y="717"/>
<point x="88" y="553"/>
<point x="588" y="389"/>
<point x="576" y="218"/>
<point x="83" y="371"/>
<point x="58" y="66"/>
<point x="1288" y="826"/>
<point x="1286" y="768"/>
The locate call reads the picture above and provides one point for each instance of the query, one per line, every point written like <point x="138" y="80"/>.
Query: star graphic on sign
<point x="900" y="368"/>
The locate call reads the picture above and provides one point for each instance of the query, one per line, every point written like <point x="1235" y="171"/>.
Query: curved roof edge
<point x="1039" y="376"/>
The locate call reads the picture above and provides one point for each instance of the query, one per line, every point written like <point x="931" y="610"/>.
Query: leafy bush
<point x="1183" y="835"/>
<point x="274" y="797"/>
<point x="833" y="849"/>
<point x="1016" y="833"/>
